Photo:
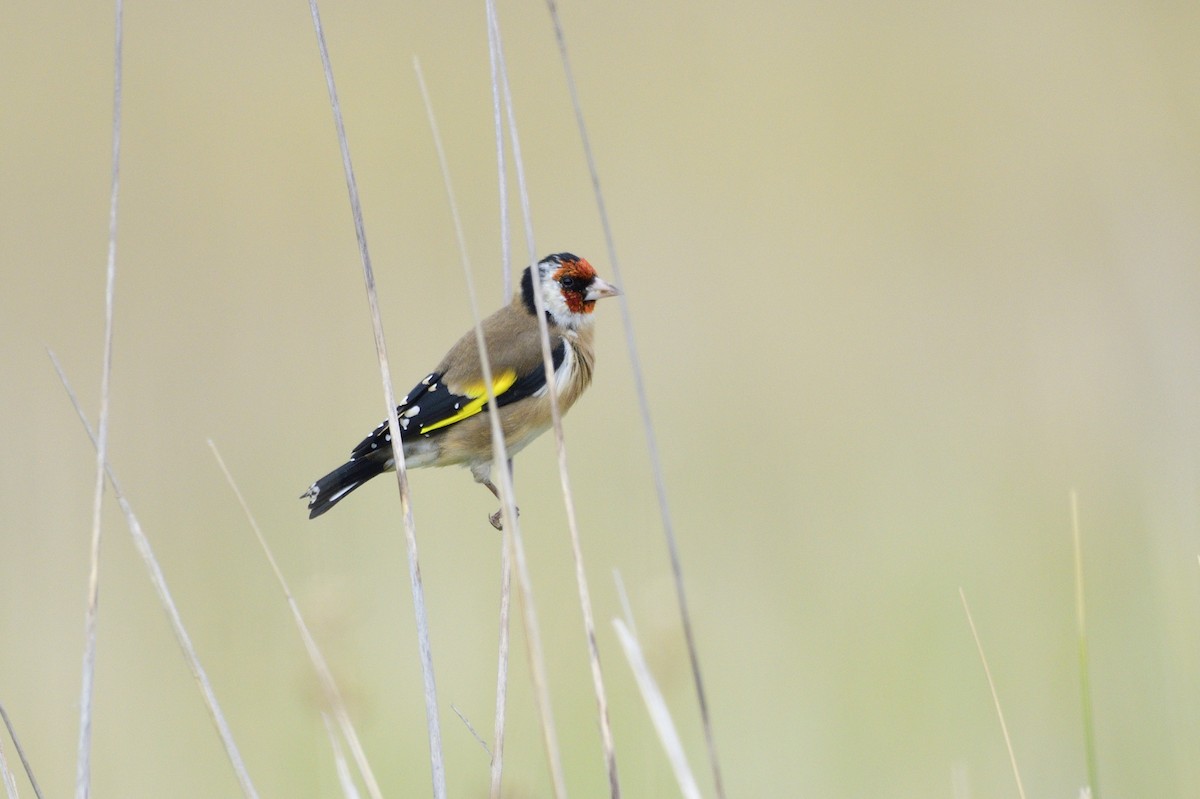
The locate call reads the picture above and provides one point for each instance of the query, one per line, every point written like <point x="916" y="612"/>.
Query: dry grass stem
<point x="502" y="647"/>
<point x="1085" y="680"/>
<point x="6" y="775"/>
<point x="437" y="764"/>
<point x="12" y="733"/>
<point x="497" y="753"/>
<point x="511" y="527"/>
<point x="501" y="163"/>
<point x="83" y="770"/>
<point x="471" y="729"/>
<point x="659" y="713"/>
<point x="1012" y="758"/>
<point x="506" y="272"/>
<point x="644" y="406"/>
<point x="333" y="696"/>
<point x="623" y="597"/>
<point x="142" y="544"/>
<point x="345" y="778"/>
<point x="559" y="438"/>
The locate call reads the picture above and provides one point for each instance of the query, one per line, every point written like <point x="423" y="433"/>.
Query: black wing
<point x="431" y="407"/>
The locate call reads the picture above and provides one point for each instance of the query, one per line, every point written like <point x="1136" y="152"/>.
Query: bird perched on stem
<point x="444" y="421"/>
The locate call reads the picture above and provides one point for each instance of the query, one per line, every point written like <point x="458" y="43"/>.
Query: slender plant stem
<point x="644" y="406"/>
<point x="652" y="696"/>
<point x="12" y="733"/>
<point x="497" y="753"/>
<point x="502" y="647"/>
<point x="6" y="775"/>
<point x="437" y="763"/>
<point x="83" y="771"/>
<point x="345" y="778"/>
<point x="585" y="602"/>
<point x="142" y="543"/>
<point x="626" y="607"/>
<point x="1085" y="680"/>
<point x="471" y="729"/>
<point x="1012" y="758"/>
<point x="500" y="455"/>
<point x="333" y="696"/>
<point x="494" y="45"/>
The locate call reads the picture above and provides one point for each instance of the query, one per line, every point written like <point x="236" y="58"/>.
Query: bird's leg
<point x="495" y="518"/>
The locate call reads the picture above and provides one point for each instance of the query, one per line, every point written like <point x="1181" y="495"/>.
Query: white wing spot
<point x="374" y="445"/>
<point x="388" y="437"/>
<point x="411" y="412"/>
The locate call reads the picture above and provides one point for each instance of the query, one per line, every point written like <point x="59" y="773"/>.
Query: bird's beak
<point x="598" y="290"/>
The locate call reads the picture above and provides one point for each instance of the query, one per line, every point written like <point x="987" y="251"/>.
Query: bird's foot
<point x="497" y="520"/>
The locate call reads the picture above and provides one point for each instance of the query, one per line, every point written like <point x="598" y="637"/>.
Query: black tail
<point x="333" y="487"/>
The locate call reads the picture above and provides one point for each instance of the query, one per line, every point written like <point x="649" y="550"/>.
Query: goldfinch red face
<point x="570" y="288"/>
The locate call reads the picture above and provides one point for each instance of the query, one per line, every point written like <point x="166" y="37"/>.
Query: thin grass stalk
<point x="501" y="163"/>
<point x="502" y="653"/>
<point x="471" y="729"/>
<point x="659" y="713"/>
<point x="1012" y="758"/>
<point x="341" y="767"/>
<point x="623" y="598"/>
<point x="1085" y="680"/>
<point x="508" y="506"/>
<point x="497" y="752"/>
<point x="644" y="407"/>
<point x="534" y="651"/>
<point x="83" y="765"/>
<point x="437" y="763"/>
<point x="12" y="734"/>
<point x="332" y="695"/>
<point x="585" y="602"/>
<point x="6" y="775"/>
<point x="651" y="694"/>
<point x="142" y="544"/>
<point x="561" y="442"/>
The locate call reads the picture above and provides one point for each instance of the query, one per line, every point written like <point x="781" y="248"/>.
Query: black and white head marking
<point x="564" y="280"/>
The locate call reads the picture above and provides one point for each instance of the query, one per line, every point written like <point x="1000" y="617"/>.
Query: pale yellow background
<point x="902" y="275"/>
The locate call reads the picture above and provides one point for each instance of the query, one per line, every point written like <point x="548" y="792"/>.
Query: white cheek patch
<point x="556" y="306"/>
<point x="554" y="301"/>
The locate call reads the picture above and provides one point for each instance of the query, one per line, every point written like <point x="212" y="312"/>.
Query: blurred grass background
<point x="903" y="276"/>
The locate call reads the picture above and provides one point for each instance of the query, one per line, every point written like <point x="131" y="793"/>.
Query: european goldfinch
<point x="444" y="420"/>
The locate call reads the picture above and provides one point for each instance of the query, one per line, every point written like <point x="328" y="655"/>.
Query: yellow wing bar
<point x="478" y="394"/>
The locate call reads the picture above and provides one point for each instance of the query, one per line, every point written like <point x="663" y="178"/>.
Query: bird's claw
<point x="497" y="520"/>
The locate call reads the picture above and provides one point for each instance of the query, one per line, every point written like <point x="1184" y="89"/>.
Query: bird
<point x="444" y="419"/>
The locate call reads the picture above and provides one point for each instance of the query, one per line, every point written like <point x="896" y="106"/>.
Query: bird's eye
<point x="570" y="283"/>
